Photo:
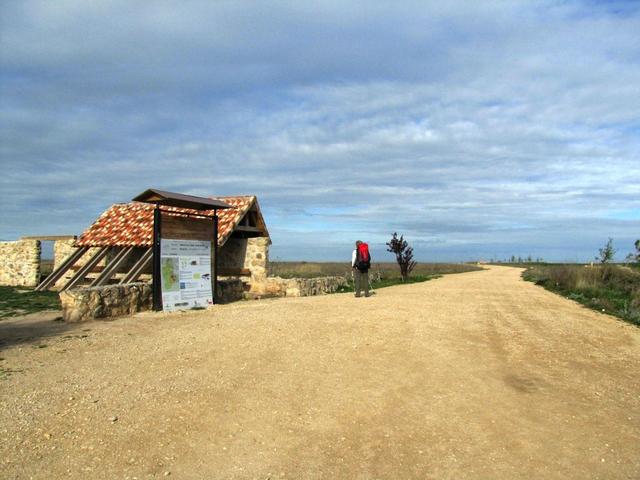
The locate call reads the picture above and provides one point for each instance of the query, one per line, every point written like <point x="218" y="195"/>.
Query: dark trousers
<point x="361" y="281"/>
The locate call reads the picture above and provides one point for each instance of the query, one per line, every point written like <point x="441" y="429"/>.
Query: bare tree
<point x="403" y="253"/>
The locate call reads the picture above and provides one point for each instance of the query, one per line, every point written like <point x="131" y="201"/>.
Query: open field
<point x="473" y="376"/>
<point x="386" y="270"/>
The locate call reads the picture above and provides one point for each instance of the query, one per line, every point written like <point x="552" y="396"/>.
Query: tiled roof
<point x="131" y="224"/>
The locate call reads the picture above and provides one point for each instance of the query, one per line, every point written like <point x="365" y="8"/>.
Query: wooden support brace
<point x="133" y="274"/>
<point x="93" y="261"/>
<point x="113" y="266"/>
<point x="56" y="275"/>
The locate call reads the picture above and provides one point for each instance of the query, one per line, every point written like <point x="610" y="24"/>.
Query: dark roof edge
<point x="161" y="197"/>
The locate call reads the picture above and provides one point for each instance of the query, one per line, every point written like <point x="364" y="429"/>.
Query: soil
<point x="471" y="376"/>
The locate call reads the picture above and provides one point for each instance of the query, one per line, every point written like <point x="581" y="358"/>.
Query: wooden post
<point x="214" y="283"/>
<point x="157" y="275"/>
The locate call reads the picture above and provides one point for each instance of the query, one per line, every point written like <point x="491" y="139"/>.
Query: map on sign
<point x="170" y="274"/>
<point x="185" y="274"/>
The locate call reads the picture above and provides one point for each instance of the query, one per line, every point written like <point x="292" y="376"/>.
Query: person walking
<point x="360" y="263"/>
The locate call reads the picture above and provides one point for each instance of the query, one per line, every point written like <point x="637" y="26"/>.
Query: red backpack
<point x="363" y="261"/>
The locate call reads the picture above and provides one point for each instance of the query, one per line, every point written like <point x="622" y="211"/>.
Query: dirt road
<point x="471" y="376"/>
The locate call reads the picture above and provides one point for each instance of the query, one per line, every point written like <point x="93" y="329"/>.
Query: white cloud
<point x="478" y="129"/>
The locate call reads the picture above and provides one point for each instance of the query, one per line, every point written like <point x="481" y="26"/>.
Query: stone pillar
<point x="62" y="249"/>
<point x="257" y="260"/>
<point x="20" y="263"/>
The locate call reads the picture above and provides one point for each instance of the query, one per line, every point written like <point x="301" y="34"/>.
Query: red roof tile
<point x="131" y="224"/>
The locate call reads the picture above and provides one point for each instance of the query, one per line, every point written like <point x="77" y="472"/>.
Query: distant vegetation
<point x="606" y="253"/>
<point x="613" y="289"/>
<point x="381" y="274"/>
<point x="605" y="287"/>
<point x="378" y="270"/>
<point x="519" y="259"/>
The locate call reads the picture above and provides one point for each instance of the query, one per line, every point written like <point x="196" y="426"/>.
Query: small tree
<point x="634" y="257"/>
<point x="630" y="258"/>
<point x="607" y="252"/>
<point x="403" y="253"/>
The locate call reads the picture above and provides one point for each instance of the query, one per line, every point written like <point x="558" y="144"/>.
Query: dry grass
<point x="378" y="270"/>
<point x="611" y="288"/>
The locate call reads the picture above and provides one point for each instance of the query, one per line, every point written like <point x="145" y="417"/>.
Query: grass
<point x="612" y="289"/>
<point x="378" y="270"/>
<point x="388" y="282"/>
<point x="20" y="300"/>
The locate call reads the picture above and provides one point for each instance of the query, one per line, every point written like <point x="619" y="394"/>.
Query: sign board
<point x="185" y="269"/>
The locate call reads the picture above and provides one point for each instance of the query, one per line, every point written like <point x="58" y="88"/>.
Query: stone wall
<point x="247" y="253"/>
<point x="20" y="263"/>
<point x="230" y="290"/>
<point x="62" y="249"/>
<point x="302" y="287"/>
<point x="82" y="304"/>
<point x="232" y="253"/>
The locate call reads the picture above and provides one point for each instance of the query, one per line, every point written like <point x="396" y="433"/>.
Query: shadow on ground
<point x="32" y="329"/>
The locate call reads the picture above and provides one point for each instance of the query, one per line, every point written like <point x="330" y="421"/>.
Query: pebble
<point x="113" y="419"/>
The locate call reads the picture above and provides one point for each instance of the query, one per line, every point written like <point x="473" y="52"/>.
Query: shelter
<point x="118" y="246"/>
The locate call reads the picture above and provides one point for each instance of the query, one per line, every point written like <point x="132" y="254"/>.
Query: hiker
<point x="361" y="262"/>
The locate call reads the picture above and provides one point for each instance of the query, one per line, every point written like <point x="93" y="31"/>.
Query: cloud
<point x="484" y="129"/>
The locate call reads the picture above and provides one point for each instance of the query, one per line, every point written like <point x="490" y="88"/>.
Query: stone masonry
<point x="257" y="260"/>
<point x="230" y="290"/>
<point x="252" y="254"/>
<point x="82" y="304"/>
<point x="302" y="287"/>
<point x="62" y="249"/>
<point x="20" y="263"/>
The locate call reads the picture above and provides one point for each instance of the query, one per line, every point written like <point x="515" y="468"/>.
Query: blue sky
<point x="476" y="129"/>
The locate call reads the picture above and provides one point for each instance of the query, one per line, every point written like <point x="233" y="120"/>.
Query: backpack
<point x="363" y="258"/>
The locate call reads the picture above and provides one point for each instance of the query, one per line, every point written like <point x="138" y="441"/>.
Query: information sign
<point x="185" y="268"/>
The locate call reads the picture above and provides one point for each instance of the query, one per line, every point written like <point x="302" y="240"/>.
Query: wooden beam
<point x="233" y="272"/>
<point x="56" y="275"/>
<point x="113" y="266"/>
<point x="82" y="273"/>
<point x="243" y="228"/>
<point x="50" y="237"/>
<point x="144" y="261"/>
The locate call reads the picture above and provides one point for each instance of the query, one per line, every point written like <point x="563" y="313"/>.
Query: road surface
<point x="471" y="376"/>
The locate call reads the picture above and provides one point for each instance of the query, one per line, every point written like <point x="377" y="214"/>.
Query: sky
<point x="478" y="130"/>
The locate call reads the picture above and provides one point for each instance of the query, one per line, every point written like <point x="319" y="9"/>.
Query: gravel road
<point x="472" y="376"/>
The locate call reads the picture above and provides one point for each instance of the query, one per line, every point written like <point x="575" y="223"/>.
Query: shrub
<point x="613" y="288"/>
